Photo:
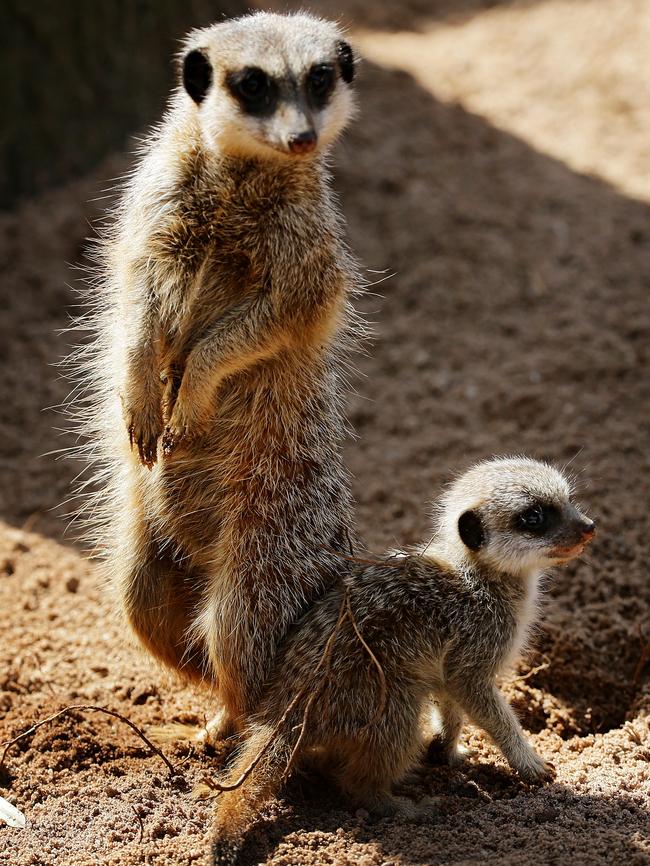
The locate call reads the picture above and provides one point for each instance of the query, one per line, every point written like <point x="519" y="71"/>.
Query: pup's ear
<point x="197" y="74"/>
<point x="345" y="57"/>
<point x="470" y="529"/>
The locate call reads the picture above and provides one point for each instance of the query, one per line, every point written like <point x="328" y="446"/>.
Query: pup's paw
<point x="537" y="772"/>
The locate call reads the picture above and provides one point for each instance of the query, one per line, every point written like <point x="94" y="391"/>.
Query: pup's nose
<point x="588" y="528"/>
<point x="304" y="142"/>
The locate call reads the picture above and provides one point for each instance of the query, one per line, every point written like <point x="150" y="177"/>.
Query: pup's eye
<point x="254" y="90"/>
<point x="320" y="81"/>
<point x="537" y="518"/>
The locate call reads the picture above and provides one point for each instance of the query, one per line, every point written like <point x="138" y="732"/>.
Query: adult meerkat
<point x="355" y="678"/>
<point x="214" y="381"/>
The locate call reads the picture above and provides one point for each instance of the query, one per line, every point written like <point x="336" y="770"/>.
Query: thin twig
<point x="326" y="658"/>
<point x="188" y="757"/>
<point x="382" y="676"/>
<point x="220" y="787"/>
<point x="92" y="709"/>
<point x="325" y="662"/>
<point x="351" y="558"/>
<point x="139" y="817"/>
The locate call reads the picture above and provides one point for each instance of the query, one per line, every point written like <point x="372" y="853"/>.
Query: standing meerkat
<point x="354" y="680"/>
<point x="214" y="382"/>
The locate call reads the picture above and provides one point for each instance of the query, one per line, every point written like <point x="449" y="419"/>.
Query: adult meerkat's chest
<point x="210" y="267"/>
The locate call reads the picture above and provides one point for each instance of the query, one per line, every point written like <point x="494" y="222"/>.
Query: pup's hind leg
<point x="444" y="746"/>
<point x="367" y="770"/>
<point x="263" y="760"/>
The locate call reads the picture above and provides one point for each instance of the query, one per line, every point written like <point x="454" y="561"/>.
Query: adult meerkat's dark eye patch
<point x="319" y="84"/>
<point x="197" y="74"/>
<point x="471" y="531"/>
<point x="256" y="92"/>
<point x="345" y="57"/>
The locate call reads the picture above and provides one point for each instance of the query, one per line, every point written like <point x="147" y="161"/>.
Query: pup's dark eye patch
<point x="320" y="83"/>
<point x="538" y="519"/>
<point x="256" y="92"/>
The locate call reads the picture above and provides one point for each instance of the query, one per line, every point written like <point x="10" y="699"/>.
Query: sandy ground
<point x="500" y="170"/>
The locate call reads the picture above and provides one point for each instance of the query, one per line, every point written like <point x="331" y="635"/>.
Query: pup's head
<point x="268" y="85"/>
<point x="515" y="515"/>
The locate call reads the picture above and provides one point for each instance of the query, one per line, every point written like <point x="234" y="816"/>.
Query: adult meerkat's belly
<point x="270" y="450"/>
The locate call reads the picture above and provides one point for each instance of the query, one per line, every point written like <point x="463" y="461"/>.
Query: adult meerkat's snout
<point x="303" y="142"/>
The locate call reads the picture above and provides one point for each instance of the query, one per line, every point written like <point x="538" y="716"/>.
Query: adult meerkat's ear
<point x="197" y="74"/>
<point x="345" y="57"/>
<point x="471" y="531"/>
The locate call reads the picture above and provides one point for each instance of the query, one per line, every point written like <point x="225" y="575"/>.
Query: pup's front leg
<point x="486" y="706"/>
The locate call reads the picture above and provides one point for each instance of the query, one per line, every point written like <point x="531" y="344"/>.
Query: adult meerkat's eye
<point x="538" y="518"/>
<point x="254" y="89"/>
<point x="320" y="81"/>
<point x="253" y="84"/>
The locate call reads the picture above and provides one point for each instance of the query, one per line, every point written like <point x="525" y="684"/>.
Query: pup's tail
<point x="268" y="752"/>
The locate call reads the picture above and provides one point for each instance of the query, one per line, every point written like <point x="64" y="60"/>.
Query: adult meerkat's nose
<point x="303" y="142"/>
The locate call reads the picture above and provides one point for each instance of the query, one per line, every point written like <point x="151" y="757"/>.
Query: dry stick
<point x="139" y="817"/>
<point x="219" y="787"/>
<point x="531" y="673"/>
<point x="93" y="709"/>
<point x="326" y="658"/>
<point x="382" y="676"/>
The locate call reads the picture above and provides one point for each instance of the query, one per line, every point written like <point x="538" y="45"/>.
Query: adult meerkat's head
<point x="269" y="85"/>
<point x="515" y="515"/>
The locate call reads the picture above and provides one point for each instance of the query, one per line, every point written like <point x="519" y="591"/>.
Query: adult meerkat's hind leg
<point x="158" y="595"/>
<point x="367" y="771"/>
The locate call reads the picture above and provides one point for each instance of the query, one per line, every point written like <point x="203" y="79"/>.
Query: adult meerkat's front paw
<point x="144" y="426"/>
<point x="173" y="436"/>
<point x="181" y="429"/>
<point x="189" y="421"/>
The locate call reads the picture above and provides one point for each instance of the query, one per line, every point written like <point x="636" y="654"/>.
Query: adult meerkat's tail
<point x="265" y="756"/>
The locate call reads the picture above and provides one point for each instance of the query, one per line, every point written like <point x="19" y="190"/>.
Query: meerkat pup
<point x="215" y="377"/>
<point x="355" y="678"/>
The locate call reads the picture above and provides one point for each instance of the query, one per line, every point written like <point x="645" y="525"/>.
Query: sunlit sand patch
<point x="569" y="77"/>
